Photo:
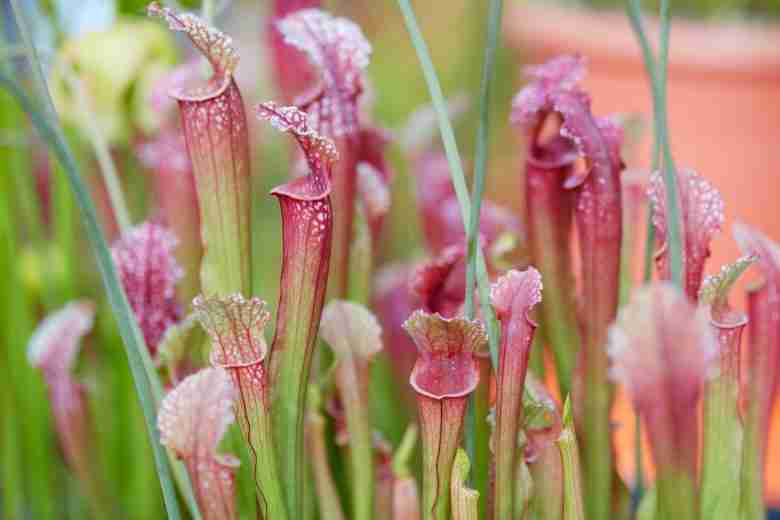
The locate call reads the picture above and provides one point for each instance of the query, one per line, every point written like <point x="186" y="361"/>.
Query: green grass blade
<point x="670" y="172"/>
<point x="573" y="506"/>
<point x="481" y="151"/>
<point x="657" y="73"/>
<point x="453" y="158"/>
<point x="65" y="235"/>
<point x="634" y="11"/>
<point x="145" y="379"/>
<point x="469" y="214"/>
<point x="108" y="168"/>
<point x="477" y="428"/>
<point x="440" y="107"/>
<point x="127" y="326"/>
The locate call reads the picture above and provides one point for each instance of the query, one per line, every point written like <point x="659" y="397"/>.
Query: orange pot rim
<point x="737" y="50"/>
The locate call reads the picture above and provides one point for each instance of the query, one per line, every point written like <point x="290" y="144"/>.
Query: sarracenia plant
<point x="701" y="209"/>
<point x="572" y="150"/>
<point x="355" y="337"/>
<point x="340" y="53"/>
<point x="663" y="351"/>
<point x="445" y="374"/>
<point x="513" y="296"/>
<point x="550" y="158"/>
<point x="723" y="427"/>
<point x="54" y="349"/>
<point x="144" y="257"/>
<point x="307" y="230"/>
<point x="762" y="366"/>
<point x="215" y="128"/>
<point x="237" y="326"/>
<point x="193" y="418"/>
<point x="293" y="74"/>
<point x="673" y="349"/>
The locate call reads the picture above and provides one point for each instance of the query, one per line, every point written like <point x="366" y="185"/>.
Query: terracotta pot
<point x="724" y="113"/>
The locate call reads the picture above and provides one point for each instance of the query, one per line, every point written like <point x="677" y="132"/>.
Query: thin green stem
<point x="470" y="210"/>
<point x="329" y="501"/>
<point x="404" y="452"/>
<point x="670" y="172"/>
<point x="65" y="234"/>
<point x="481" y="152"/>
<point x="106" y="163"/>
<point x="352" y="381"/>
<point x="477" y="434"/>
<point x="47" y="124"/>
<point x="633" y="9"/>
<point x="455" y="164"/>
<point x="476" y="425"/>
<point x="440" y="107"/>
<point x="657" y="73"/>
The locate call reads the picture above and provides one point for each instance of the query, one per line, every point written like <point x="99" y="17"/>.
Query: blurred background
<point x="724" y="106"/>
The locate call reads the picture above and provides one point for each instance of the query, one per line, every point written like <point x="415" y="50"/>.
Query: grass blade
<point x="481" y="150"/>
<point x="477" y="430"/>
<point x="657" y="73"/>
<point x="470" y="214"/>
<point x="634" y="11"/>
<point x="128" y="328"/>
<point x="106" y="163"/>
<point x="453" y="158"/>
<point x="670" y="172"/>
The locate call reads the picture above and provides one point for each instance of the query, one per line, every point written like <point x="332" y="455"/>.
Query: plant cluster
<point x="461" y="328"/>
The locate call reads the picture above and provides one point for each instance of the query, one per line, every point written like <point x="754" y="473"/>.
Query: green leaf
<point x="715" y="289"/>
<point x="361" y="258"/>
<point x="465" y="501"/>
<point x="353" y="333"/>
<point x="573" y="506"/>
